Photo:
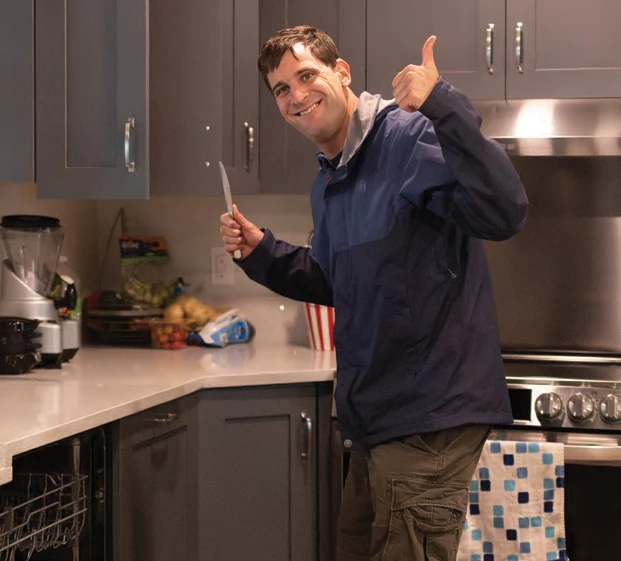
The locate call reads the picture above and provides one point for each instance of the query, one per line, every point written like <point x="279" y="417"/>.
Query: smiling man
<point x="405" y="193"/>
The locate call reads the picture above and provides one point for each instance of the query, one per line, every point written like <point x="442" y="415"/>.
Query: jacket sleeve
<point x="458" y="174"/>
<point x="288" y="270"/>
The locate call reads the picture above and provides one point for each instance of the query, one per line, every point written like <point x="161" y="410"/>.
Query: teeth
<point x="311" y="108"/>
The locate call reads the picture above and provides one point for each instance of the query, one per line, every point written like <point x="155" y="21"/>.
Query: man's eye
<point x="307" y="76"/>
<point x="281" y="91"/>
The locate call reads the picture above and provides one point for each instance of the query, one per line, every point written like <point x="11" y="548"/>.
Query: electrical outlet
<point x="222" y="267"/>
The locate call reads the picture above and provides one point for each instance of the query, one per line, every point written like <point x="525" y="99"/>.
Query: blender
<point x="32" y="246"/>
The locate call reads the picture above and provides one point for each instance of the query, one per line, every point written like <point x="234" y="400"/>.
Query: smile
<point x="309" y="110"/>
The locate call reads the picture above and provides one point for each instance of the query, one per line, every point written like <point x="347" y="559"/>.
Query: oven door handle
<point x="593" y="455"/>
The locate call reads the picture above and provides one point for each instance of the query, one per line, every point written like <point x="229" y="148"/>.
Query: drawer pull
<point x="168" y="418"/>
<point x="307" y="424"/>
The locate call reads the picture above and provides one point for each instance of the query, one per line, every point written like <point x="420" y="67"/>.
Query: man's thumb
<point x="428" y="59"/>
<point x="240" y="218"/>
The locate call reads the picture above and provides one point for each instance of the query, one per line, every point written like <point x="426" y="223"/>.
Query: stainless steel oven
<point x="57" y="507"/>
<point x="558" y="298"/>
<point x="579" y="406"/>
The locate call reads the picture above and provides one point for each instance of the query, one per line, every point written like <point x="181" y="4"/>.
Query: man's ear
<point x="341" y="68"/>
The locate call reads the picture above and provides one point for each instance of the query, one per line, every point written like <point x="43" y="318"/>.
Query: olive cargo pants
<point x="406" y="500"/>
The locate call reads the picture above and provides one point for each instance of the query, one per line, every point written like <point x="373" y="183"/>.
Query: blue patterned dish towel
<point x="516" y="510"/>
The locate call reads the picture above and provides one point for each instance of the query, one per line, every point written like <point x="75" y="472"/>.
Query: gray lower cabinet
<point x="469" y="51"/>
<point x="16" y="91"/>
<point x="154" y="483"/>
<point x="260" y="482"/>
<point x="225" y="475"/>
<point x="566" y="49"/>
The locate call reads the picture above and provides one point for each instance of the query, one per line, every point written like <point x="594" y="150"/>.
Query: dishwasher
<point x="57" y="506"/>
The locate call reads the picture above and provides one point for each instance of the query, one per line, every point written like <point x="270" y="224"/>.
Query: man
<point x="405" y="193"/>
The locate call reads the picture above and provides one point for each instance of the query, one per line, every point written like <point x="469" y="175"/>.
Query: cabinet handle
<point x="130" y="126"/>
<point x="249" y="145"/>
<point x="168" y="418"/>
<point x="519" y="47"/>
<point x="308" y="433"/>
<point x="489" y="47"/>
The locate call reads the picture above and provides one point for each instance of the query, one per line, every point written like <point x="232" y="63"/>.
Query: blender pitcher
<point x="32" y="245"/>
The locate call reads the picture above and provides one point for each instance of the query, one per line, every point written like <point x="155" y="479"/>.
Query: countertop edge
<point x="11" y="449"/>
<point x="6" y="475"/>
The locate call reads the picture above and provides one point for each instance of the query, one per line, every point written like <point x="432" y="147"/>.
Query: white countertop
<point x="103" y="384"/>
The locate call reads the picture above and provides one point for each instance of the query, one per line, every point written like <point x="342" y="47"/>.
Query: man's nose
<point x="298" y="94"/>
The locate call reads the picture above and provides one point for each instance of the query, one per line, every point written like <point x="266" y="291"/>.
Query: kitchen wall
<point x="191" y="228"/>
<point x="77" y="217"/>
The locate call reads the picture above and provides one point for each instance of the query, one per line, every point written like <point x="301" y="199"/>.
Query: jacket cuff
<point x="260" y="256"/>
<point x="439" y="103"/>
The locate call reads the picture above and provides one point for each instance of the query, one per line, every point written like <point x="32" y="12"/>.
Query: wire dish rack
<point x="40" y="511"/>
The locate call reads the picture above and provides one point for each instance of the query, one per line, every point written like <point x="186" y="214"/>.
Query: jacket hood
<point x="361" y="122"/>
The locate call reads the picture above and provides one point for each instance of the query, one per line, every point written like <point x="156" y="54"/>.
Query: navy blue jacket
<point x="398" y="251"/>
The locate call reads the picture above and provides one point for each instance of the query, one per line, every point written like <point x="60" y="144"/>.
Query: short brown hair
<point x="321" y="46"/>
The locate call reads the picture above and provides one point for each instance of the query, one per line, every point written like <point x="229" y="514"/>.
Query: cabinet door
<point x="469" y="51"/>
<point x="257" y="490"/>
<point x="92" y="81"/>
<point x="154" y="482"/>
<point x="16" y="92"/>
<point x="240" y="102"/>
<point x="288" y="161"/>
<point x="569" y="48"/>
<point x="185" y="120"/>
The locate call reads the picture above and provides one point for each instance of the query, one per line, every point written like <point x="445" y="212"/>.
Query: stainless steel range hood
<point x="554" y="127"/>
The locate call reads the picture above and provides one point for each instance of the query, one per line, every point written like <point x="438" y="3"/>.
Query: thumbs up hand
<point x="412" y="86"/>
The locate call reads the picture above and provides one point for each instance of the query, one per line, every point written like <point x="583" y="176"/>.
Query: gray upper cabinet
<point x="288" y="161"/>
<point x="469" y="51"/>
<point x="497" y="49"/>
<point x="159" y="63"/>
<point x="91" y="99"/>
<point x="240" y="86"/>
<point x="154" y="483"/>
<point x="16" y="92"/>
<point x="258" y="474"/>
<point x="566" y="49"/>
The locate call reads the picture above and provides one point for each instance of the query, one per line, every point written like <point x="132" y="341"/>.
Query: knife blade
<point x="226" y="187"/>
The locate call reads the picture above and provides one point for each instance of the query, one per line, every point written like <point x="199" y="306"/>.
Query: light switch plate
<point x="222" y="267"/>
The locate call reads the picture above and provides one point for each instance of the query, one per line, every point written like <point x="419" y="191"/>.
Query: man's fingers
<point x="401" y="75"/>
<point x="428" y="60"/>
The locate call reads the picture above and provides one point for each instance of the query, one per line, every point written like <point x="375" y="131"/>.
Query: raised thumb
<point x="428" y="59"/>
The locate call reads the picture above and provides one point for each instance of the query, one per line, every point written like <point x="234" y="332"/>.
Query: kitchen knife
<point x="226" y="186"/>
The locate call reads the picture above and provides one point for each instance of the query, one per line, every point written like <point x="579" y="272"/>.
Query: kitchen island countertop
<point x="103" y="384"/>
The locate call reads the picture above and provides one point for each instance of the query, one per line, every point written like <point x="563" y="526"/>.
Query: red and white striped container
<point x="320" y="320"/>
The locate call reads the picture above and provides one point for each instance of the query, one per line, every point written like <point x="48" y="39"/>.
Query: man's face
<point x="310" y="95"/>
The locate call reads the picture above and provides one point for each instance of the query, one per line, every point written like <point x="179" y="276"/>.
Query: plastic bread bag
<point x="229" y="328"/>
<point x="143" y="266"/>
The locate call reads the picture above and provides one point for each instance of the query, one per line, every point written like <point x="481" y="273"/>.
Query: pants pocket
<point x="427" y="520"/>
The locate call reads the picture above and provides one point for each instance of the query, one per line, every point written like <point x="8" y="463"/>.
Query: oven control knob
<point x="580" y="407"/>
<point x="549" y="407"/>
<point x="610" y="409"/>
